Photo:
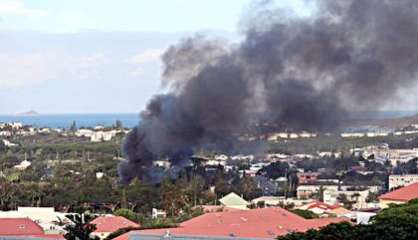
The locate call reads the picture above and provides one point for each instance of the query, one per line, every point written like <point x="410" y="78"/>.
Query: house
<point x="358" y="197"/>
<point x="362" y="217"/>
<point x="352" y="135"/>
<point x="84" y="133"/>
<point x="268" y="200"/>
<point x="396" y="181"/>
<point x="306" y="191"/>
<point x="402" y="155"/>
<point x="382" y="152"/>
<point x="322" y="208"/>
<point x="45" y="217"/>
<point x="260" y="223"/>
<point x="101" y="136"/>
<point x="23" y="228"/>
<point x="399" y="196"/>
<point x="19" y="227"/>
<point x="158" y="213"/>
<point x="232" y="200"/>
<point x="339" y="211"/>
<point x="23" y="165"/>
<point x="105" y="225"/>
<point x="7" y="143"/>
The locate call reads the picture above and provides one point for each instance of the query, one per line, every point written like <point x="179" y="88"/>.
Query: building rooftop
<point x="256" y="223"/>
<point x="19" y="227"/>
<point x="111" y="224"/>
<point x="232" y="199"/>
<point x="320" y="205"/>
<point x="403" y="194"/>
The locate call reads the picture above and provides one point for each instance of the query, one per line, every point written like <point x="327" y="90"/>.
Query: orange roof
<point x="404" y="194"/>
<point x="112" y="223"/>
<point x="321" y="205"/>
<point x="256" y="223"/>
<point x="339" y="211"/>
<point x="19" y="226"/>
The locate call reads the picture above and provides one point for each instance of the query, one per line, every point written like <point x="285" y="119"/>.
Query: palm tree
<point x="80" y="228"/>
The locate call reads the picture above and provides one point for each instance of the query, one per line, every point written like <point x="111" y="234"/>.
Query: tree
<point x="174" y="198"/>
<point x="342" y="198"/>
<point x="128" y="214"/>
<point x="73" y="126"/>
<point x="305" y="213"/>
<point x="372" y="197"/>
<point x="319" y="194"/>
<point x="248" y="188"/>
<point x="80" y="228"/>
<point x="8" y="194"/>
<point x="119" y="124"/>
<point x="195" y="189"/>
<point x="2" y="146"/>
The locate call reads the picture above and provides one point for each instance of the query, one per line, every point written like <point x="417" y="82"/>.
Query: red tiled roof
<point x="256" y="223"/>
<point x="112" y="223"/>
<point x="19" y="227"/>
<point x="322" y="205"/>
<point x="403" y="194"/>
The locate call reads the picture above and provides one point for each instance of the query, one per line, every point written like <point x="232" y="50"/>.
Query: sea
<point x="128" y="120"/>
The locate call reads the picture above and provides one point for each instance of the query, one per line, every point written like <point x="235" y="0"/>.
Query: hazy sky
<point x="78" y="56"/>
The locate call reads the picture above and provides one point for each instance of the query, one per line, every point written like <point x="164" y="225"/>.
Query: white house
<point x="357" y="196"/>
<point x="23" y="165"/>
<point x="46" y="217"/>
<point x="100" y="136"/>
<point x="396" y="181"/>
<point x="157" y="213"/>
<point x="7" y="143"/>
<point x="84" y="133"/>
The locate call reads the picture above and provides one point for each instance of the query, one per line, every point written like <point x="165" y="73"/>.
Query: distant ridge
<point x="28" y="113"/>
<point x="387" y="122"/>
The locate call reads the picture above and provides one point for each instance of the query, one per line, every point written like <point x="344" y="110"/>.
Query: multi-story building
<point x="396" y="181"/>
<point x="306" y="191"/>
<point x="357" y="196"/>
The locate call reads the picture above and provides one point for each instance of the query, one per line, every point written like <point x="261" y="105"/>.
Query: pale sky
<point x="100" y="56"/>
<point x="89" y="56"/>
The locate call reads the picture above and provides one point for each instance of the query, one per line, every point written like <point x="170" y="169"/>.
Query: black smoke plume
<point x="300" y="73"/>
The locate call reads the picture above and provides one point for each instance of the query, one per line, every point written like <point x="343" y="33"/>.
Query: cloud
<point x="18" y="8"/>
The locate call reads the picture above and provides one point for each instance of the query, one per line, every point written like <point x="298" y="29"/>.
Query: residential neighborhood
<point x="243" y="195"/>
<point x="209" y="120"/>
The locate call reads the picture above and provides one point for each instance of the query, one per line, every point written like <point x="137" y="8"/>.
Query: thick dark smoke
<point x="299" y="73"/>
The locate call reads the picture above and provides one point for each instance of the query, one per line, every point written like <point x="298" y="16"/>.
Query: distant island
<point x="28" y="113"/>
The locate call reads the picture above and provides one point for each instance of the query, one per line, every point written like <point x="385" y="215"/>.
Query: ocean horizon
<point x="131" y="120"/>
<point x="128" y="120"/>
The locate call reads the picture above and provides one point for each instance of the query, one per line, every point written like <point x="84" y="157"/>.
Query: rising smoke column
<point x="299" y="73"/>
